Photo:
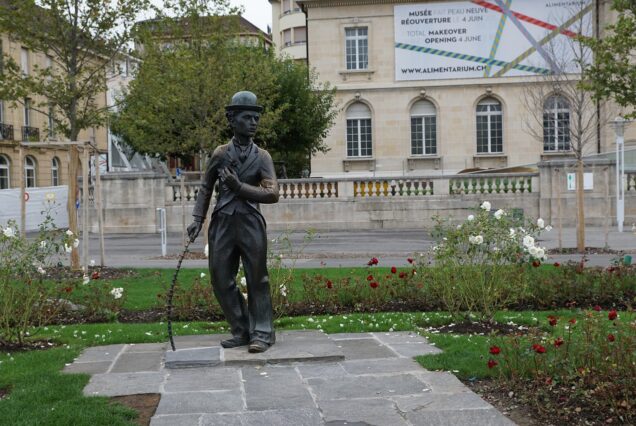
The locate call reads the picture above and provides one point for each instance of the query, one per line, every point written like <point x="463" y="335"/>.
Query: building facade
<point x="438" y="87"/>
<point x="22" y="122"/>
<point x="289" y="30"/>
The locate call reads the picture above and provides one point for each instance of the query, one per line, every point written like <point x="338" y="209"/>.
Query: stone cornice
<point x="309" y="4"/>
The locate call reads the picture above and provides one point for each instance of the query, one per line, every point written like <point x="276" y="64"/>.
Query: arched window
<point x="55" y="172"/>
<point x="423" y="128"/>
<point x="359" y="131"/>
<point x="29" y="172"/>
<point x="5" y="175"/>
<point x="556" y="124"/>
<point x="489" y="126"/>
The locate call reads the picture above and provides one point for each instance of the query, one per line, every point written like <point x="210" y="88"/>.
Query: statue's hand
<point x="194" y="229"/>
<point x="230" y="178"/>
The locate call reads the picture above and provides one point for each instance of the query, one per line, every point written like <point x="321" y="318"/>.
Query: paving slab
<point x="364" y="349"/>
<point x="200" y="402"/>
<point x="366" y="386"/>
<point x="369" y="411"/>
<point x="176" y="419"/>
<point x="380" y="366"/>
<point x="296" y="417"/>
<point x="202" y="379"/>
<point x="193" y="357"/>
<point x="100" y="353"/>
<point x="490" y="417"/>
<point x="117" y="384"/>
<point x="139" y="361"/>
<point x="272" y="386"/>
<point x="88" y="367"/>
<point x="441" y="402"/>
<point x="320" y="370"/>
<point x="146" y="347"/>
<point x="442" y="382"/>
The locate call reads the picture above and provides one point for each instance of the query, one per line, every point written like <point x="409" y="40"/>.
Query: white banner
<point x="487" y="38"/>
<point x="35" y="206"/>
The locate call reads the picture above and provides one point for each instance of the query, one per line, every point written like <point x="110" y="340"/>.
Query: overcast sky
<point x="258" y="12"/>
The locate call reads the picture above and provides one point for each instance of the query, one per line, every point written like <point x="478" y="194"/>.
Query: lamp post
<point x="619" y="129"/>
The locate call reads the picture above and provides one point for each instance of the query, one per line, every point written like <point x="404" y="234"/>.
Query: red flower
<point x="329" y="284"/>
<point x="373" y="284"/>
<point x="536" y="263"/>
<point x="68" y="289"/>
<point x="552" y="320"/>
<point x="558" y="342"/>
<point x="95" y="275"/>
<point x="611" y="337"/>
<point x="373" y="261"/>
<point x="612" y="315"/>
<point x="538" y="348"/>
<point x="370" y="278"/>
<point x="495" y="350"/>
<point x="572" y="321"/>
<point x="557" y="264"/>
<point x="492" y="363"/>
<point x="597" y="308"/>
<point x="410" y="260"/>
<point x="402" y="275"/>
<point x="548" y="381"/>
<point x="393" y="269"/>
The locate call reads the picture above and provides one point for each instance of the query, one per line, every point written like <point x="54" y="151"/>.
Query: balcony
<point x="30" y="134"/>
<point x="6" y="132"/>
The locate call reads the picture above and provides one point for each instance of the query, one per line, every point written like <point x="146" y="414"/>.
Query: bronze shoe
<point x="234" y="342"/>
<point x="257" y="346"/>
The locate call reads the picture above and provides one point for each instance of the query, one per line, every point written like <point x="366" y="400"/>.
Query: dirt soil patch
<point x="588" y="250"/>
<point x="35" y="345"/>
<point x="3" y="393"/>
<point x="480" y="328"/>
<point x="105" y="273"/>
<point x="145" y="404"/>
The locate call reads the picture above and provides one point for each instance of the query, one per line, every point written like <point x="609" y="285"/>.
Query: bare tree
<point x="561" y="115"/>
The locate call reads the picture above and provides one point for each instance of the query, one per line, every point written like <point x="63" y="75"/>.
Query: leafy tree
<point x="81" y="38"/>
<point x="613" y="73"/>
<point x="191" y="66"/>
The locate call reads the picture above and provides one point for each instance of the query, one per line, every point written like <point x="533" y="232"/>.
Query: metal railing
<point x="30" y="134"/>
<point x="6" y="132"/>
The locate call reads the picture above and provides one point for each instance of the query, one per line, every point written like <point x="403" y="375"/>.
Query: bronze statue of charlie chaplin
<point x="237" y="232"/>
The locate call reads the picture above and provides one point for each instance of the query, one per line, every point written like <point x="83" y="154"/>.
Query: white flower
<point x="85" y="280"/>
<point x="41" y="270"/>
<point x="548" y="228"/>
<point x="202" y="274"/>
<point x="42" y="244"/>
<point x="283" y="290"/>
<point x="76" y="243"/>
<point x="206" y="250"/>
<point x="512" y="233"/>
<point x="533" y="251"/>
<point x="528" y="241"/>
<point x="50" y="196"/>
<point x="69" y="232"/>
<point x="92" y="262"/>
<point x="541" y="253"/>
<point x="470" y="217"/>
<point x="117" y="292"/>
<point x="485" y="205"/>
<point x="540" y="223"/>
<point x="459" y="226"/>
<point x="68" y="248"/>
<point x="9" y="232"/>
<point x="476" y="239"/>
<point x="499" y="214"/>
<point x="243" y="281"/>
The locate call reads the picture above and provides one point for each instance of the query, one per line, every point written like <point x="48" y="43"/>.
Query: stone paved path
<point x="307" y="378"/>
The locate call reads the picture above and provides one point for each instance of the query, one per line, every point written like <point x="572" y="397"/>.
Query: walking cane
<point x="171" y="292"/>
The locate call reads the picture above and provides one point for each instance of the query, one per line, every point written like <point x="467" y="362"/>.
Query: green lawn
<point x="52" y="398"/>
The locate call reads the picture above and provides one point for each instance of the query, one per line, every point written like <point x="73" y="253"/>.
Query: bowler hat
<point x="244" y="101"/>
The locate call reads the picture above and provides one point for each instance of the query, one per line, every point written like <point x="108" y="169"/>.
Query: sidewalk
<point x="341" y="248"/>
<point x="307" y="378"/>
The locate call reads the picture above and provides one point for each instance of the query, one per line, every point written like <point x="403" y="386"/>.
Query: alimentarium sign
<point x="488" y="38"/>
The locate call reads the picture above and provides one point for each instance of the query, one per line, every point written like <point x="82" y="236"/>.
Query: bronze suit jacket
<point x="259" y="184"/>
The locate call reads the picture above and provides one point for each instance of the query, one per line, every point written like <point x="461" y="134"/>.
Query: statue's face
<point x="245" y="123"/>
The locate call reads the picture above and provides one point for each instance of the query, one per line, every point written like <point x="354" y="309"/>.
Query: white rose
<point x="42" y="244"/>
<point x="117" y="292"/>
<point x="41" y="270"/>
<point x="471" y="217"/>
<point x="540" y="223"/>
<point x="528" y="241"/>
<point x="85" y="280"/>
<point x="68" y="248"/>
<point x="69" y="232"/>
<point x="76" y="243"/>
<point x="9" y="232"/>
<point x="485" y="205"/>
<point x="202" y="274"/>
<point x="479" y="239"/>
<point x="540" y="253"/>
<point x="533" y="251"/>
<point x="499" y="214"/>
<point x="512" y="233"/>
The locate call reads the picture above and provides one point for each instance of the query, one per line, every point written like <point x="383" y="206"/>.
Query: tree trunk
<point x="73" y="166"/>
<point x="580" y="214"/>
